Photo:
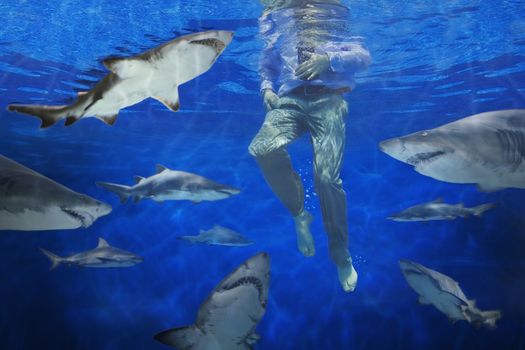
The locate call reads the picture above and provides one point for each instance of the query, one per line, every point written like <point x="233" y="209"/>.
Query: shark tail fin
<point x="55" y="259"/>
<point x="489" y="318"/>
<point x="181" y="338"/>
<point x="480" y="209"/>
<point x="48" y="115"/>
<point x="122" y="191"/>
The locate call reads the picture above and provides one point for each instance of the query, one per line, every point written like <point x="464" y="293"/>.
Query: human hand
<point x="315" y="65"/>
<point x="270" y="99"/>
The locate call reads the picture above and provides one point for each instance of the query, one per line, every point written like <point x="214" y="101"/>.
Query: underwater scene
<point x="266" y="174"/>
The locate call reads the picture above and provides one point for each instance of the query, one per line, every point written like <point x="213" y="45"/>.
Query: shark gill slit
<point x="513" y="143"/>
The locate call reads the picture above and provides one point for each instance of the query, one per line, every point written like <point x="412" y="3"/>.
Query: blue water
<point x="433" y="62"/>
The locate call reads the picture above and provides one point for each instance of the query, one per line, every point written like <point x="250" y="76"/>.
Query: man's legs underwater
<point x="327" y="128"/>
<point x="281" y="127"/>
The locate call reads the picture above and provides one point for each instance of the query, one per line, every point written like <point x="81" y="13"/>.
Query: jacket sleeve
<point x="270" y="61"/>
<point x="269" y="68"/>
<point x="348" y="57"/>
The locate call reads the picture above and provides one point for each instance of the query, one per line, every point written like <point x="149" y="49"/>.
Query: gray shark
<point x="103" y="255"/>
<point x="30" y="201"/>
<point x="445" y="294"/>
<point x="171" y="185"/>
<point x="219" y="235"/>
<point x="487" y="149"/>
<point x="228" y="317"/>
<point x="437" y="210"/>
<point x="156" y="73"/>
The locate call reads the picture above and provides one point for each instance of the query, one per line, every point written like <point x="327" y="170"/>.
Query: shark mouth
<point x="216" y="44"/>
<point x="247" y="281"/>
<point x="83" y="219"/>
<point x="229" y="192"/>
<point x="426" y="157"/>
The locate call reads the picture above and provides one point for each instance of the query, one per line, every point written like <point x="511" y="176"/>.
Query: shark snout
<point x="233" y="191"/>
<point x="225" y="36"/>
<point x="393" y="147"/>
<point x="137" y="259"/>
<point x="406" y="264"/>
<point x="408" y="267"/>
<point x="260" y="263"/>
<point x="103" y="209"/>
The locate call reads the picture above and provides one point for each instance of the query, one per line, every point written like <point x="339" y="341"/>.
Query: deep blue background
<point x="434" y="62"/>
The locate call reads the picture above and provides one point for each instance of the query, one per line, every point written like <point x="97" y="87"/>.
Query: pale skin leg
<point x="305" y="241"/>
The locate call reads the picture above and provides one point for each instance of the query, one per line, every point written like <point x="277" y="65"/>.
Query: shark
<point x="227" y="319"/>
<point x="441" y="291"/>
<point x="487" y="149"/>
<point x="29" y="201"/>
<point x="156" y="73"/>
<point x="169" y="184"/>
<point x="437" y="210"/>
<point x="103" y="256"/>
<point x="219" y="235"/>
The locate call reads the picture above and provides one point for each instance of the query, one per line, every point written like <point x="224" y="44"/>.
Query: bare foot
<point x="305" y="241"/>
<point x="347" y="277"/>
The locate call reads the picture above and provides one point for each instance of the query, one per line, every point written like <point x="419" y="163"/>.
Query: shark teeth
<point x="425" y="157"/>
<point x="216" y="44"/>
<point x="249" y="280"/>
<point x="82" y="219"/>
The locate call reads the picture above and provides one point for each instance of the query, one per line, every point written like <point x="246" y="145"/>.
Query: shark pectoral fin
<point x="170" y="99"/>
<point x="423" y="301"/>
<point x="71" y="121"/>
<point x="108" y="119"/>
<point x="181" y="338"/>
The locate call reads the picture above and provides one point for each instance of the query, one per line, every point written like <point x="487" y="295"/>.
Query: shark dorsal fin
<point x="160" y="168"/>
<point x="119" y="65"/>
<point x="438" y="200"/>
<point x="138" y="179"/>
<point x="102" y="243"/>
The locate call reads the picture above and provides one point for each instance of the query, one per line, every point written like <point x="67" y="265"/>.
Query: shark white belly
<point x="32" y="220"/>
<point x="487" y="149"/>
<point x="156" y="73"/>
<point x="30" y="201"/>
<point x="171" y="185"/>
<point x="228" y="317"/>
